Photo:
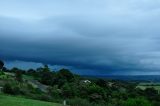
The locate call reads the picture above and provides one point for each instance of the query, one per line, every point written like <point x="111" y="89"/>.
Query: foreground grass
<point x="17" y="101"/>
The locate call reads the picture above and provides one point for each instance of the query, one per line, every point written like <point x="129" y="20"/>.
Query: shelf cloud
<point x="89" y="36"/>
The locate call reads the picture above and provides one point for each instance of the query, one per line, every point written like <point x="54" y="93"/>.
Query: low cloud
<point x="96" y="37"/>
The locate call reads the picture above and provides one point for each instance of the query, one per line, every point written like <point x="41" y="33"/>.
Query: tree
<point x="54" y="92"/>
<point x="31" y="72"/>
<point x="65" y="74"/>
<point x="151" y="93"/>
<point x="46" y="68"/>
<point x="5" y="69"/>
<point x="14" y="69"/>
<point x="47" y="77"/>
<point x="1" y="64"/>
<point x="7" y="89"/>
<point x="95" y="92"/>
<point x="79" y="102"/>
<point x="18" y="76"/>
<point x="67" y="91"/>
<point x="101" y="83"/>
<point x="137" y="102"/>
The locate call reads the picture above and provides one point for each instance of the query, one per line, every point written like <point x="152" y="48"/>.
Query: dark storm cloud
<point x="96" y="37"/>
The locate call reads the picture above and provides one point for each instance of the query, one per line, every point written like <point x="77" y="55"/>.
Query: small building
<point x="86" y="81"/>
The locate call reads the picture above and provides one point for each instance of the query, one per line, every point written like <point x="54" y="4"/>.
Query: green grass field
<point x="18" y="101"/>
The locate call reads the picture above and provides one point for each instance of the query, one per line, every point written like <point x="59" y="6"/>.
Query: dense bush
<point x="1" y="64"/>
<point x="137" y="102"/>
<point x="18" y="75"/>
<point x="7" y="88"/>
<point x="10" y="88"/>
<point x="79" y="102"/>
<point x="54" y="92"/>
<point x="67" y="91"/>
<point x="2" y="73"/>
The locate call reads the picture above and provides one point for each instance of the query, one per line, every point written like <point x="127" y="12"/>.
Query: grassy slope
<point x="143" y="86"/>
<point x="17" y="101"/>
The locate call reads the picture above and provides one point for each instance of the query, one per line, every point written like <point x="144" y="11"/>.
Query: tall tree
<point x="47" y="76"/>
<point x="65" y="74"/>
<point x="18" y="75"/>
<point x="1" y="64"/>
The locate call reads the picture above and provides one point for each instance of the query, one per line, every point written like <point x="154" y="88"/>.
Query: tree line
<point x="78" y="90"/>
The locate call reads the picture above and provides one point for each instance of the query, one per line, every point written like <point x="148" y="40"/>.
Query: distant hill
<point x="143" y="78"/>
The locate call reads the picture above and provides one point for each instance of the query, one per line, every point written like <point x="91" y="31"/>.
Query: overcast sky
<point x="87" y="36"/>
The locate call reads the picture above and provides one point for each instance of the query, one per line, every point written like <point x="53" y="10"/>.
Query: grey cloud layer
<point x="108" y="36"/>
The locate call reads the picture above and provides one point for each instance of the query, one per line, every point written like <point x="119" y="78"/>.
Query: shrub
<point x="67" y="91"/>
<point x="79" y="102"/>
<point x="137" y="102"/>
<point x="2" y="73"/>
<point x="11" y="88"/>
<point x="8" y="89"/>
<point x="1" y="64"/>
<point x="18" y="76"/>
<point x="156" y="103"/>
<point x="45" y="98"/>
<point x="54" y="92"/>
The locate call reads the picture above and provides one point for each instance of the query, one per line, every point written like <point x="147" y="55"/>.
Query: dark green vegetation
<point x="47" y="85"/>
<point x="1" y="64"/>
<point x="144" y="86"/>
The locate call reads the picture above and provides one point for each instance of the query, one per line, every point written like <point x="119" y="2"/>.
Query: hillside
<point x="17" y="101"/>
<point x="53" y="87"/>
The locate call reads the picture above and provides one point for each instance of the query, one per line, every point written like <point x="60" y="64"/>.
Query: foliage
<point x="12" y="88"/>
<point x="1" y="64"/>
<point x="102" y="83"/>
<point x="65" y="74"/>
<point x="151" y="93"/>
<point x="78" y="102"/>
<point x="63" y="84"/>
<point x="54" y="92"/>
<point x="137" y="102"/>
<point x="7" y="88"/>
<point x="67" y="91"/>
<point x="18" y="75"/>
